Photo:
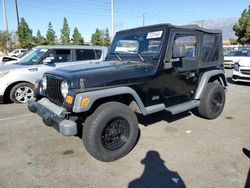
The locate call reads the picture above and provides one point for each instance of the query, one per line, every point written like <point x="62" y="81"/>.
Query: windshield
<point x="32" y="57"/>
<point x="238" y="53"/>
<point x="138" y="43"/>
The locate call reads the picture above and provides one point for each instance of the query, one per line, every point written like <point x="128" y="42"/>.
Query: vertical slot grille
<point x="54" y="90"/>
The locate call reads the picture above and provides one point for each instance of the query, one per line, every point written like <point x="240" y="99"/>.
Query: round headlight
<point x="44" y="82"/>
<point x="64" y="88"/>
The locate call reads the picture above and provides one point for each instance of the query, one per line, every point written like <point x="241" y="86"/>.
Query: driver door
<point x="180" y="74"/>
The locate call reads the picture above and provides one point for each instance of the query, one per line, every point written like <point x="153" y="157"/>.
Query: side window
<point x="82" y="55"/>
<point x="98" y="54"/>
<point x="60" y="56"/>
<point x="210" y="47"/>
<point x="188" y="41"/>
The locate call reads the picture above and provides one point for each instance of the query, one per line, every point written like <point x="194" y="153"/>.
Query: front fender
<point x="95" y="95"/>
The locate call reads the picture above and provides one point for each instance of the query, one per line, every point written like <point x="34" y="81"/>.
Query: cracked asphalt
<point x="173" y="151"/>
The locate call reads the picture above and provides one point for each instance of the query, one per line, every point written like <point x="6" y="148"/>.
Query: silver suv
<point x="17" y="81"/>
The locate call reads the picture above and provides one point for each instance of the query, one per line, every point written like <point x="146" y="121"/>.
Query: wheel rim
<point x="216" y="102"/>
<point x="24" y="93"/>
<point x="115" y="134"/>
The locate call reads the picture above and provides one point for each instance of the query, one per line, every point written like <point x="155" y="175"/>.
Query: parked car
<point x="235" y="56"/>
<point x="7" y="60"/>
<point x="241" y="71"/>
<point x="183" y="72"/>
<point x="17" y="52"/>
<point x="17" y="80"/>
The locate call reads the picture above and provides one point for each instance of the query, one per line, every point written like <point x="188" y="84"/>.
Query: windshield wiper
<point x="117" y="55"/>
<point x="139" y="55"/>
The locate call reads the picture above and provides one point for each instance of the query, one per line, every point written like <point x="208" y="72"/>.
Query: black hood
<point x="105" y="73"/>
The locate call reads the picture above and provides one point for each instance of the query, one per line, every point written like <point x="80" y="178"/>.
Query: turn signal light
<point x="85" y="101"/>
<point x="69" y="99"/>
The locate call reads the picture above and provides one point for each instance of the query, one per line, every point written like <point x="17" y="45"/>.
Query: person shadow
<point x="156" y="174"/>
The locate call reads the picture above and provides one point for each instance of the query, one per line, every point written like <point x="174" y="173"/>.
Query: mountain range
<point x="225" y="24"/>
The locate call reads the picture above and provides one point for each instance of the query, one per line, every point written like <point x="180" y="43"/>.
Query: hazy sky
<point x="87" y="15"/>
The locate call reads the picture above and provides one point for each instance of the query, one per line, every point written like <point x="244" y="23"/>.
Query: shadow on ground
<point x="156" y="174"/>
<point x="247" y="153"/>
<point x="161" y="116"/>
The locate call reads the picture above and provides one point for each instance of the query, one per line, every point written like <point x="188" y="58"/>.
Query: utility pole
<point x="17" y="13"/>
<point x="112" y="20"/>
<point x="143" y="19"/>
<point x="5" y="16"/>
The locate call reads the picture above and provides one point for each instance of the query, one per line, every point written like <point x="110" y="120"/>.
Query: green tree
<point x="106" y="40"/>
<point x="233" y="41"/>
<point x="96" y="38"/>
<point x="4" y="38"/>
<point x="24" y="34"/>
<point x="65" y="32"/>
<point x="77" y="37"/>
<point x="242" y="28"/>
<point x="39" y="39"/>
<point x="51" y="35"/>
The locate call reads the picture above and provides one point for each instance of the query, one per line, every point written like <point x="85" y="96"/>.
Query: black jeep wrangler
<point x="147" y="70"/>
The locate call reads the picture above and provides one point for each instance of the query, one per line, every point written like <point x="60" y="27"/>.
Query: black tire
<point x="18" y="93"/>
<point x="212" y="101"/>
<point x="110" y="132"/>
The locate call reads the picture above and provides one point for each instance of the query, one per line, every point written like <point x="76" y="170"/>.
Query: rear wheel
<point x="212" y="101"/>
<point x="21" y="93"/>
<point x="110" y="132"/>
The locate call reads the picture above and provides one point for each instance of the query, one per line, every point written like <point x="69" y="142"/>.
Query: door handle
<point x="33" y="69"/>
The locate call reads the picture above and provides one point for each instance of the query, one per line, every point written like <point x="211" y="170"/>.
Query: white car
<point x="17" y="52"/>
<point x="236" y="56"/>
<point x="17" y="80"/>
<point x="241" y="71"/>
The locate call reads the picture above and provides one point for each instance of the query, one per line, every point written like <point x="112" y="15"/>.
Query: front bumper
<point x="240" y="77"/>
<point x="53" y="116"/>
<point x="229" y="64"/>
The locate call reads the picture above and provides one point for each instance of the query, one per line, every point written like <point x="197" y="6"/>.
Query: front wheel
<point x="110" y="132"/>
<point x="21" y="93"/>
<point x="212" y="101"/>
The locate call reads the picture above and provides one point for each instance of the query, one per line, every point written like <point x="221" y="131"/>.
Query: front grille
<point x="54" y="90"/>
<point x="246" y="72"/>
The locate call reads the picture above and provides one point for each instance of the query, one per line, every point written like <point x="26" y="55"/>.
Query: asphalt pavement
<point x="173" y="151"/>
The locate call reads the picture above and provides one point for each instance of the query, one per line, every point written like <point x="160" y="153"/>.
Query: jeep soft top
<point x="147" y="70"/>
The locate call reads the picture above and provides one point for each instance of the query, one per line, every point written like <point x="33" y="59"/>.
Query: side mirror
<point x="179" y="51"/>
<point x="47" y="60"/>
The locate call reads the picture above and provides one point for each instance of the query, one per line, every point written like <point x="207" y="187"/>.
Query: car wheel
<point x="212" y="101"/>
<point x="110" y="132"/>
<point x="21" y="93"/>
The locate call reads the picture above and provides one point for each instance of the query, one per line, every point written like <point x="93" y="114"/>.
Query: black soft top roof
<point x="167" y="25"/>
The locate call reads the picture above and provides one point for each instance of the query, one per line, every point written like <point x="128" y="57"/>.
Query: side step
<point x="183" y="107"/>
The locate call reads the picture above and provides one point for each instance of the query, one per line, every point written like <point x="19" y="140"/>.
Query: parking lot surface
<point x="173" y="151"/>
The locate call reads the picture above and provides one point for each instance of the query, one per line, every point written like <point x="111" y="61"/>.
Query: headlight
<point x="64" y="88"/>
<point x="3" y="73"/>
<point x="237" y="67"/>
<point x="44" y="82"/>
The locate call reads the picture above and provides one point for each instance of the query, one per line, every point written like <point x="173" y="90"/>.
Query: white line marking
<point x="16" y="117"/>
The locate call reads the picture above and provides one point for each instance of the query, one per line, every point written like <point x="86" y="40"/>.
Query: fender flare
<point x="99" y="94"/>
<point x="205" y="78"/>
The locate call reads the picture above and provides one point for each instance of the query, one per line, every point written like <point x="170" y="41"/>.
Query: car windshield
<point x="32" y="57"/>
<point x="237" y="53"/>
<point x="138" y="43"/>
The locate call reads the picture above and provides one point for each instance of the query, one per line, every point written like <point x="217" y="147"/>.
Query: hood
<point x="12" y="67"/>
<point x="105" y="73"/>
<point x="245" y="62"/>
